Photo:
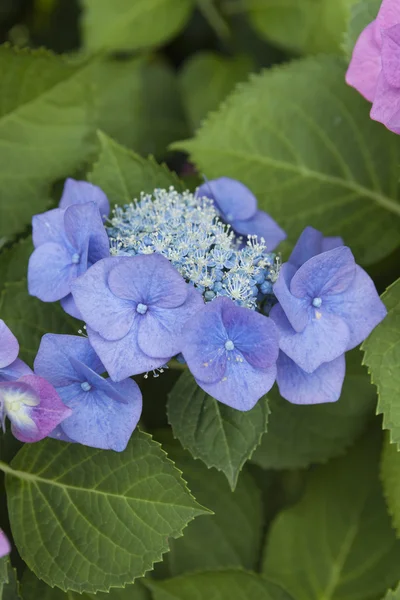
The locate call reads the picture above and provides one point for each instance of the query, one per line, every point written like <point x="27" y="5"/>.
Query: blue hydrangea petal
<point x="15" y="370"/>
<point x="58" y="434"/>
<point x="88" y="377"/>
<point x="360" y="306"/>
<point x="80" y="192"/>
<point x="123" y="358"/>
<point x="232" y="198"/>
<point x="53" y="358"/>
<point x="69" y="306"/>
<point x="329" y="243"/>
<point x="254" y="335"/>
<point x="99" y="421"/>
<point x="297" y="310"/>
<point x="160" y="329"/>
<point x="51" y="272"/>
<point x="299" y="387"/>
<point x="9" y="346"/>
<point x="310" y="243"/>
<point x="49" y="227"/>
<point x="328" y="273"/>
<point x="149" y="279"/>
<point x="241" y="386"/>
<point x="263" y="226"/>
<point x="323" y="340"/>
<point x="105" y="313"/>
<point x="84" y="227"/>
<point x="204" y="341"/>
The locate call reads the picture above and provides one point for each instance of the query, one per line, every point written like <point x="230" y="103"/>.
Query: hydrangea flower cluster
<point x="5" y="547"/>
<point x="375" y="65"/>
<point x="188" y="231"/>
<point x="189" y="275"/>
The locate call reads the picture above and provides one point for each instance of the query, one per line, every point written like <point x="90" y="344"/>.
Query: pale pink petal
<point x="388" y="15"/>
<point x="365" y="65"/>
<point x="386" y="106"/>
<point x="391" y="55"/>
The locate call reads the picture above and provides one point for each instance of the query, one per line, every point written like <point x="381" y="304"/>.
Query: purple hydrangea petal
<point x="388" y="15"/>
<point x="15" y="370"/>
<point x="42" y="413"/>
<point x="123" y="358"/>
<point x="82" y="222"/>
<point x="149" y="279"/>
<point x="263" y="226"/>
<point x="308" y="245"/>
<point x="69" y="306"/>
<point x="232" y="198"/>
<point x="386" y="106"/>
<point x="365" y="65"/>
<point x="160" y="329"/>
<point x="299" y="387"/>
<point x="9" y="346"/>
<point x="79" y="192"/>
<point x="49" y="227"/>
<point x="105" y="313"/>
<point x="58" y="434"/>
<point x="297" y="310"/>
<point x="53" y="363"/>
<point x="391" y="55"/>
<point x="241" y="386"/>
<point x="51" y="272"/>
<point x="5" y="547"/>
<point x="254" y="335"/>
<point x="203" y="343"/>
<point x="327" y="273"/>
<point x="96" y="381"/>
<point x="360" y="306"/>
<point x="100" y="422"/>
<point x="324" y="339"/>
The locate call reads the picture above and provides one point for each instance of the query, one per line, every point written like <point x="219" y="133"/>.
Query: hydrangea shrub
<point x="200" y="350"/>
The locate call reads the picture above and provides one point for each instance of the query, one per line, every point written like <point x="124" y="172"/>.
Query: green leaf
<point x="391" y="482"/>
<point x="217" y="585"/>
<point x="129" y="25"/>
<point x="339" y="535"/>
<point x="210" y="542"/>
<point x="334" y="169"/>
<point x="298" y="436"/>
<point x="86" y="519"/>
<point x="393" y="594"/>
<point x="34" y="589"/>
<point x="221" y="75"/>
<point x="138" y="102"/>
<point x="220" y="436"/>
<point x="8" y="584"/>
<point x="382" y="356"/>
<point x="29" y="318"/>
<point x="14" y="262"/>
<point x="122" y="174"/>
<point x="46" y="124"/>
<point x="361" y="14"/>
<point x="304" y="26"/>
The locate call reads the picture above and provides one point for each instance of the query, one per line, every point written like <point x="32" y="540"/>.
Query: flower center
<point x="75" y="258"/>
<point x="317" y="302"/>
<point x="141" y="308"/>
<point x="85" y="385"/>
<point x="229" y="345"/>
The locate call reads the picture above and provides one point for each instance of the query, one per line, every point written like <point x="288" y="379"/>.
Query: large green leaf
<point x="30" y="318"/>
<point x="337" y="542"/>
<point x="86" y="519"/>
<point x="34" y="589"/>
<point x="300" y="435"/>
<point x="391" y="480"/>
<point x="138" y="102"/>
<point x="220" y="436"/>
<point x="122" y="174"/>
<point x="217" y="585"/>
<point x="14" y="262"/>
<point x="361" y="13"/>
<point x="46" y="122"/>
<point x="211" y="542"/>
<point x="220" y="74"/>
<point x="309" y="26"/>
<point x="9" y="584"/>
<point x="132" y="24"/>
<point x="382" y="356"/>
<point x="304" y="143"/>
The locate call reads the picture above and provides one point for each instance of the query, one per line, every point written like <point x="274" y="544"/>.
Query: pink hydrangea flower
<point x="5" y="547"/>
<point x="374" y="70"/>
